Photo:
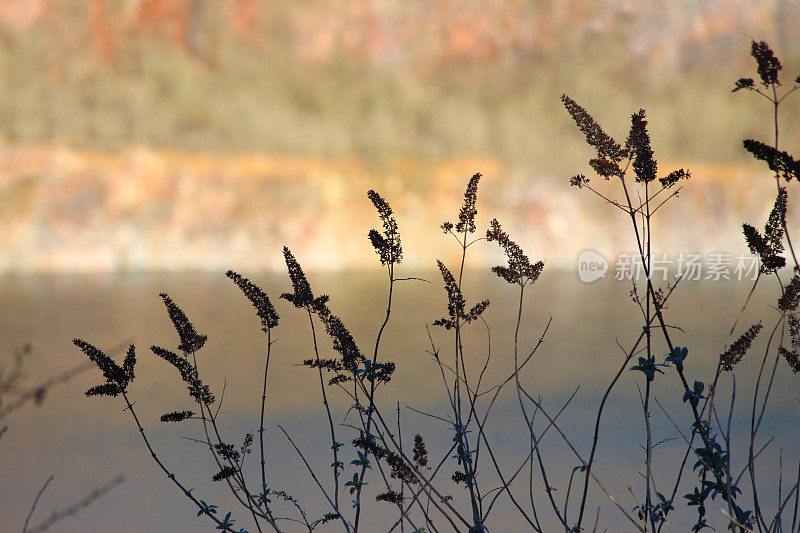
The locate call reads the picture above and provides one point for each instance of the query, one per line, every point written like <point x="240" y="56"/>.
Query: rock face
<point x="70" y="211"/>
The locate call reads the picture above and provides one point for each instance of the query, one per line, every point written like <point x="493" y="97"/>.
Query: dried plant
<point x="418" y="481"/>
<point x="12" y="384"/>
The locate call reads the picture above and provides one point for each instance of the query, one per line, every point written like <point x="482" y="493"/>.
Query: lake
<point x="84" y="442"/>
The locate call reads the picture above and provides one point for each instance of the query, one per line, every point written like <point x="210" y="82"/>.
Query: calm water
<point x="84" y="442"/>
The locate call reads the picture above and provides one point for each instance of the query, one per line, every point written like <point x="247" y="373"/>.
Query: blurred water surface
<point x="84" y="442"/>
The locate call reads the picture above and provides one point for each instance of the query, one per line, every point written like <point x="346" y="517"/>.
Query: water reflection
<point x="84" y="442"/>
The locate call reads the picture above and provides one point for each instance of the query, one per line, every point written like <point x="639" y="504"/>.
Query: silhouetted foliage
<point x="792" y="356"/>
<point x="264" y="309"/>
<point x="191" y="341"/>
<point x="519" y="269"/>
<point x="197" y="390"/>
<point x="406" y="476"/>
<point x="302" y="295"/>
<point x="779" y="161"/>
<point x="644" y="166"/>
<point x="769" y="246"/>
<point x="117" y="377"/>
<point x="736" y="351"/>
<point x="466" y="217"/>
<point x="387" y="245"/>
<point x="456" y="305"/>
<point x="607" y="148"/>
<point x="767" y="64"/>
<point x="790" y="298"/>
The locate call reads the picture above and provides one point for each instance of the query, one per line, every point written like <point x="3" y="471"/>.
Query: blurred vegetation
<point x="376" y="80"/>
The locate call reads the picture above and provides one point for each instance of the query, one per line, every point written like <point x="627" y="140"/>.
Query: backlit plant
<point x="367" y="455"/>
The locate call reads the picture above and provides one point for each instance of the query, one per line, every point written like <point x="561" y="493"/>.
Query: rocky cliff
<point x="64" y="210"/>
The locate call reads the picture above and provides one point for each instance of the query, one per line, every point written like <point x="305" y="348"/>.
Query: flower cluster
<point x="519" y="269"/>
<point x="736" y="351"/>
<point x="390" y="496"/>
<point x="176" y="416"/>
<point x="674" y="177"/>
<point x="399" y="468"/>
<point x="768" y="64"/>
<point x="343" y="341"/>
<point x="117" y="377"/>
<point x="792" y="356"/>
<point x="387" y="245"/>
<point x="420" y="452"/>
<point x="638" y="144"/>
<point x="607" y="148"/>
<point x="466" y="217"/>
<point x="791" y="292"/>
<point x="191" y="341"/>
<point x="197" y="390"/>
<point x="779" y="161"/>
<point x="302" y="295"/>
<point x="264" y="309"/>
<point x="769" y="246"/>
<point x="456" y="305"/>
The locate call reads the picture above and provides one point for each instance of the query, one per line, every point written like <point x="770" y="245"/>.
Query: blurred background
<point x="151" y="135"/>
<point x="143" y="139"/>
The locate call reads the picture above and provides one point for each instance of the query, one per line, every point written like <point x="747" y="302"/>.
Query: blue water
<point x="84" y="442"/>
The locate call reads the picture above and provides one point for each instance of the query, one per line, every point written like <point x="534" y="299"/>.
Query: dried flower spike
<point x="737" y="350"/>
<point x="769" y="246"/>
<point x="176" y="416"/>
<point x="266" y="312"/>
<point x="456" y="305"/>
<point x="790" y="299"/>
<point x="779" y="161"/>
<point x="420" y="453"/>
<point x="519" y="269"/>
<point x="343" y="341"/>
<point x="197" y="390"/>
<point x="607" y="148"/>
<point x="674" y="177"/>
<point x="579" y="180"/>
<point x="768" y="64"/>
<point x="638" y="145"/>
<point x="792" y="356"/>
<point x="302" y="296"/>
<point x="117" y="377"/>
<point x="744" y="83"/>
<point x="466" y="218"/>
<point x="191" y="341"/>
<point x="387" y="245"/>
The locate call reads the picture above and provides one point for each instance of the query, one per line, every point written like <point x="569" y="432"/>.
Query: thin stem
<point x="596" y="436"/>
<point x="238" y="476"/>
<point x="754" y="429"/>
<point x="170" y="475"/>
<point x="35" y="502"/>
<point x="776" y="102"/>
<point x="316" y="480"/>
<point x="649" y="447"/>
<point x="371" y="398"/>
<point x="334" y="442"/>
<point x="578" y="455"/>
<point x="796" y="499"/>
<point x="728" y="444"/>
<point x="263" y="404"/>
<point x="72" y="510"/>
